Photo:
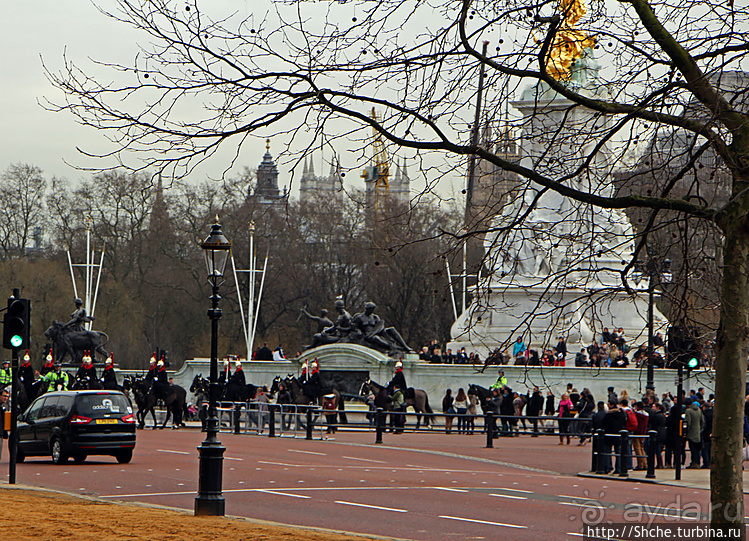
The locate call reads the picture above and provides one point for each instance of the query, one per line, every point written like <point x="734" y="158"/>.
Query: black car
<point x="76" y="424"/>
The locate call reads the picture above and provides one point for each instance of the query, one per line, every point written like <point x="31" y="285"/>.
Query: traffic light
<point x="16" y="324"/>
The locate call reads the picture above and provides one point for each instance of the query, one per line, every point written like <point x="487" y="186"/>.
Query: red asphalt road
<point x="427" y="486"/>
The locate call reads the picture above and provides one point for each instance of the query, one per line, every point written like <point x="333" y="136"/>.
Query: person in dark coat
<point x="507" y="410"/>
<point x="585" y="408"/>
<point x="26" y="374"/>
<point x="673" y="444"/>
<point x="313" y="387"/>
<point x="597" y="420"/>
<point x="264" y="354"/>
<point x="550" y="409"/>
<point x="108" y="377"/>
<point x="613" y="422"/>
<point x="707" y="432"/>
<point x="534" y="407"/>
<point x="658" y="423"/>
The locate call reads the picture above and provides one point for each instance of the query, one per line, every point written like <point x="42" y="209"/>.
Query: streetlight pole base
<point x="210" y="501"/>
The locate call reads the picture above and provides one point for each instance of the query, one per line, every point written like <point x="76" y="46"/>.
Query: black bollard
<point x="271" y="420"/>
<point x="623" y="439"/>
<point x="652" y="437"/>
<point x="603" y="458"/>
<point x="594" y="452"/>
<point x="379" y="424"/>
<point x="309" y="423"/>
<point x="489" y="425"/>
<point x="237" y="411"/>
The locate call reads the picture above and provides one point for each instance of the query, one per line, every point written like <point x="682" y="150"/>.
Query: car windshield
<point x="103" y="405"/>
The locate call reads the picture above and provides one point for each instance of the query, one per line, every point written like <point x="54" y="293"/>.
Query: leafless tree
<point x="418" y="63"/>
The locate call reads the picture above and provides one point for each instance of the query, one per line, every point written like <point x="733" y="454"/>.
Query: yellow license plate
<point x="106" y="421"/>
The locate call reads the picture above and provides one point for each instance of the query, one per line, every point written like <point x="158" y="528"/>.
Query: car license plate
<point x="106" y="421"/>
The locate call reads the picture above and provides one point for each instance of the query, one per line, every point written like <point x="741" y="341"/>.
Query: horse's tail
<point x="105" y="337"/>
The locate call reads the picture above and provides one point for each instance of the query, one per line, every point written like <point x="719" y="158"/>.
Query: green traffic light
<point x="693" y="362"/>
<point x="16" y="341"/>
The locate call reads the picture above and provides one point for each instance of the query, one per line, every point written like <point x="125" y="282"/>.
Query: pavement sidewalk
<point x="690" y="478"/>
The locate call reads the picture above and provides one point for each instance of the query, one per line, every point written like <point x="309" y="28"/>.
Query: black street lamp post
<point x="654" y="271"/>
<point x="210" y="500"/>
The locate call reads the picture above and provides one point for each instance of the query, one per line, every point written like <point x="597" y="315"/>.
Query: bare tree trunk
<point x="726" y="479"/>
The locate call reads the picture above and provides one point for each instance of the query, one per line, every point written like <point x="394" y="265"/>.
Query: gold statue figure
<point x="569" y="42"/>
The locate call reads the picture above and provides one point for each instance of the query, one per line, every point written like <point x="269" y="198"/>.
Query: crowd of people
<point x="612" y="349"/>
<point x="577" y="414"/>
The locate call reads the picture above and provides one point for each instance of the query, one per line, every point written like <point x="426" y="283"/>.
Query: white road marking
<point x="515" y="490"/>
<point x="170" y="451"/>
<point x="508" y="496"/>
<point x="284" y="494"/>
<point x="372" y="506"/>
<point x="450" y="489"/>
<point x="364" y="459"/>
<point x="306" y="452"/>
<point x="483" y="522"/>
<point x="277" y="464"/>
<point x="232" y="458"/>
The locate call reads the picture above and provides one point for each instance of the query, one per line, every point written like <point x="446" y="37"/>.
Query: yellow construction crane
<point x="379" y="172"/>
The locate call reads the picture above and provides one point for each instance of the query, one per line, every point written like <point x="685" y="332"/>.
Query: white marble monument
<point x="554" y="266"/>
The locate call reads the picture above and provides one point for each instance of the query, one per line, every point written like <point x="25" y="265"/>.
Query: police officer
<point x="6" y="374"/>
<point x="501" y="381"/>
<point x="57" y="378"/>
<point x="108" y="377"/>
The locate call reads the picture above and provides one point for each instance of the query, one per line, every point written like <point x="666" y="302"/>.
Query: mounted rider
<point x="57" y="379"/>
<point x="49" y="364"/>
<point x="161" y="384"/>
<point x="237" y="380"/>
<point x="26" y="374"/>
<point x="225" y="374"/>
<point x="152" y="369"/>
<point x="399" y="379"/>
<point x="87" y="371"/>
<point x="108" y="377"/>
<point x="501" y="381"/>
<point x="304" y="375"/>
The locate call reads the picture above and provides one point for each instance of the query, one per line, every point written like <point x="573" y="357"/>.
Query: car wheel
<point x="58" y="456"/>
<point x="20" y="456"/>
<point x="124" y="457"/>
<point x="78" y="458"/>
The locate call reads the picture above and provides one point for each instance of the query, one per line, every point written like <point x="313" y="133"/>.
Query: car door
<point x="27" y="439"/>
<point x="46" y="422"/>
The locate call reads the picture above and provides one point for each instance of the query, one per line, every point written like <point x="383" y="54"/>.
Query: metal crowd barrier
<point x="601" y="459"/>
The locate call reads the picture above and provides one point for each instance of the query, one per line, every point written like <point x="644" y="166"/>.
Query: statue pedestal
<point x="501" y="312"/>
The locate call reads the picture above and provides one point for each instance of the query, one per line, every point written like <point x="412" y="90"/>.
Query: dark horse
<point x="298" y="398"/>
<point x="417" y="399"/>
<point x="200" y="387"/>
<point x="484" y="396"/>
<point x="75" y="343"/>
<point x="26" y="397"/>
<point x="145" y="399"/>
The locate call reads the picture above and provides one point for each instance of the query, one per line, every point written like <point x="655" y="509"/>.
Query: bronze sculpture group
<point x="365" y="328"/>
